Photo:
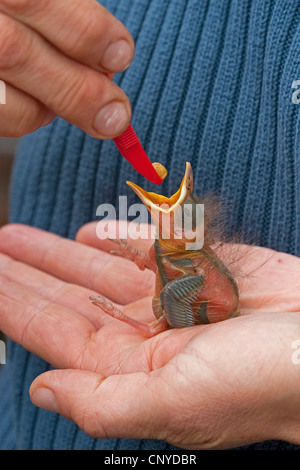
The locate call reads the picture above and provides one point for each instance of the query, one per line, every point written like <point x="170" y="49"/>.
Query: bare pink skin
<point x="56" y="60"/>
<point x="241" y="382"/>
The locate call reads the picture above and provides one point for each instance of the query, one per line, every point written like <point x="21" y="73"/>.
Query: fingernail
<point x="118" y="56"/>
<point x="112" y="119"/>
<point x="44" y="398"/>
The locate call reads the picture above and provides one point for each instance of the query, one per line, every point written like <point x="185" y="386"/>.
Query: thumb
<point x="123" y="406"/>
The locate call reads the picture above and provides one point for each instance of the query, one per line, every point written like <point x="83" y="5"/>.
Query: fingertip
<point x="44" y="398"/>
<point x="87" y="233"/>
<point x="112" y="119"/>
<point x="65" y="390"/>
<point x="118" y="56"/>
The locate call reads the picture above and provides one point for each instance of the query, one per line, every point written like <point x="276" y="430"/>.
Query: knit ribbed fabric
<point x="211" y="83"/>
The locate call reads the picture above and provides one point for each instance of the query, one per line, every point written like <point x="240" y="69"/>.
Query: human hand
<point x="210" y="386"/>
<point x="54" y="57"/>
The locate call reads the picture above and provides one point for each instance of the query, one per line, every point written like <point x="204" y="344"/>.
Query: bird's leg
<point x="140" y="258"/>
<point x="147" y="330"/>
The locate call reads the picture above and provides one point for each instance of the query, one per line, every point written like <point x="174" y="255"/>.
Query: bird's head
<point x="179" y="218"/>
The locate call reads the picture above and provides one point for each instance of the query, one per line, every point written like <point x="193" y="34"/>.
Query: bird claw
<point x="138" y="257"/>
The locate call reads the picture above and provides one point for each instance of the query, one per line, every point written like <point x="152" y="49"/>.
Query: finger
<point x="118" y="279"/>
<point x="268" y="280"/>
<point x="71" y="296"/>
<point x="84" y="30"/>
<point x="22" y="114"/>
<point x="77" y="93"/>
<point x="273" y="283"/>
<point x="51" y="331"/>
<point x="122" y="406"/>
<point x="121" y="229"/>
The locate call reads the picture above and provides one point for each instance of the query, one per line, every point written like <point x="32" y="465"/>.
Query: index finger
<point x="116" y="278"/>
<point x="81" y="29"/>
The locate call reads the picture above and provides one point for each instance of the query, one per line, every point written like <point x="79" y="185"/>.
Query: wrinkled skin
<point x="208" y="386"/>
<point x="55" y="59"/>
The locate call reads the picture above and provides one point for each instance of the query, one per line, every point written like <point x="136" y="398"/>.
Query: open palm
<point x="205" y="386"/>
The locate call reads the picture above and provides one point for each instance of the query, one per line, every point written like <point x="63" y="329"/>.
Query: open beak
<point x="166" y="211"/>
<point x="158" y="203"/>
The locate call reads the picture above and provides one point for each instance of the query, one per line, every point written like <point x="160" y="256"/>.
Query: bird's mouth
<point x="159" y="203"/>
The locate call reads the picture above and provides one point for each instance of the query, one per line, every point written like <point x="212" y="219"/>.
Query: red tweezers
<point x="132" y="150"/>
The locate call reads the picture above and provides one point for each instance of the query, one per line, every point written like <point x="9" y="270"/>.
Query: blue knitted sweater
<point x="211" y="83"/>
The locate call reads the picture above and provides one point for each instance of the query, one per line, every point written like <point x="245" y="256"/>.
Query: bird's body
<point x="192" y="286"/>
